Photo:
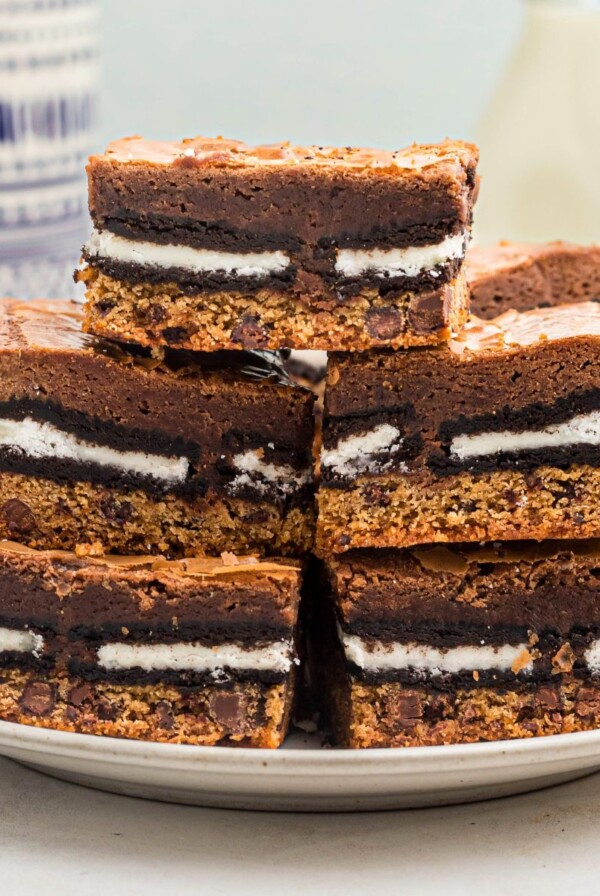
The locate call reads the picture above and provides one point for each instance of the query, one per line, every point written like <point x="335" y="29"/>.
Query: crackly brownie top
<point x="526" y="328"/>
<point x="219" y="598"/>
<point x="488" y="261"/>
<point x="424" y="161"/>
<point x="463" y="593"/>
<point x="530" y="275"/>
<point x="52" y="324"/>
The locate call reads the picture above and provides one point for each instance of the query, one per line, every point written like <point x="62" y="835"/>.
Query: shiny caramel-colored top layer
<point x="457" y="559"/>
<point x="525" y="328"/>
<point x="228" y="564"/>
<point x="449" y="156"/>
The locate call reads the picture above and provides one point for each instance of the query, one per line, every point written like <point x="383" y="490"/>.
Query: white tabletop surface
<point x="58" y="838"/>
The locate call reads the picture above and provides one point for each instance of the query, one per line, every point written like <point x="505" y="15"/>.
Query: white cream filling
<point x="118" y="248"/>
<point x="581" y="430"/>
<point x="592" y="657"/>
<point x="17" y="641"/>
<point x="40" y="440"/>
<point x="377" y="656"/>
<point x="407" y="262"/>
<point x="357" y="454"/>
<point x="257" y="473"/>
<point x="194" y="657"/>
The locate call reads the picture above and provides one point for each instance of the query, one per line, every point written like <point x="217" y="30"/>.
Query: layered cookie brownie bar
<point x="107" y="449"/>
<point x="528" y="275"/>
<point x="440" y="645"/>
<point x="493" y="436"/>
<point x="199" y="651"/>
<point x="209" y="244"/>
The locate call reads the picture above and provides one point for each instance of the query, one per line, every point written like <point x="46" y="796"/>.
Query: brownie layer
<point x="526" y="275"/>
<point x="469" y="616"/>
<point x="250" y="714"/>
<point x="220" y="194"/>
<point x="303" y="314"/>
<point x="144" y="620"/>
<point x="505" y="587"/>
<point x="227" y="598"/>
<point x="226" y="426"/>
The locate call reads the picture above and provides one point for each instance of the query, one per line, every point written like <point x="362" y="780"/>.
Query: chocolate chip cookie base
<point x="403" y="510"/>
<point x="249" y="714"/>
<point x="397" y="715"/>
<point x="154" y="314"/>
<point x="93" y="518"/>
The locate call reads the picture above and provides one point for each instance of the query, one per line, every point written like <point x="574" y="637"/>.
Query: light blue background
<point x="384" y="72"/>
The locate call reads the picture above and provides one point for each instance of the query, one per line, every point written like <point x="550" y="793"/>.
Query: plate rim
<point x="307" y="761"/>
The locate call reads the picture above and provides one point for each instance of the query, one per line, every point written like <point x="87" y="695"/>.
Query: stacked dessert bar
<point x="156" y="458"/>
<point x="156" y="469"/>
<point x="146" y="501"/>
<point x="211" y="244"/>
<point x="458" y="509"/>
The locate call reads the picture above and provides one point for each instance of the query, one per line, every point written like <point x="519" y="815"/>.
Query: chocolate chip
<point x="470" y="712"/>
<point x="229" y="710"/>
<point x="63" y="507"/>
<point x="578" y="517"/>
<point x="406" y="709"/>
<point x="383" y="323"/>
<point x="174" y="335"/>
<point x="250" y="333"/>
<point x="533" y="727"/>
<point x="106" y="712"/>
<point x="156" y="314"/>
<point x="38" y="698"/>
<point x="18" y="516"/>
<point x="533" y="481"/>
<point x="548" y="697"/>
<point x="468" y="506"/>
<point x="116" y="511"/>
<point x="256" y="516"/>
<point x="81" y="694"/>
<point x="563" y="491"/>
<point x="104" y="307"/>
<point x="426" y="313"/>
<point x="587" y="702"/>
<point x="164" y="715"/>
<point x="375" y="495"/>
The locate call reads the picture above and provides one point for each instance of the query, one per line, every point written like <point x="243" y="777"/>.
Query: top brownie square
<point x="207" y="244"/>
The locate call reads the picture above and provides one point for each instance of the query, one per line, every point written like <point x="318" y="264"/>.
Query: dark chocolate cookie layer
<point x="314" y="284"/>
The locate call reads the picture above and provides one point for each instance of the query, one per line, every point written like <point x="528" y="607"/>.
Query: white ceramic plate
<point x="301" y="776"/>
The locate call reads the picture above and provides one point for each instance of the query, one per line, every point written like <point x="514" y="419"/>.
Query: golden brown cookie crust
<point x="250" y="714"/>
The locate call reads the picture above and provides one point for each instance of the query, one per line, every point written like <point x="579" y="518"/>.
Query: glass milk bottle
<point x="48" y="98"/>
<point x="540" y="136"/>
